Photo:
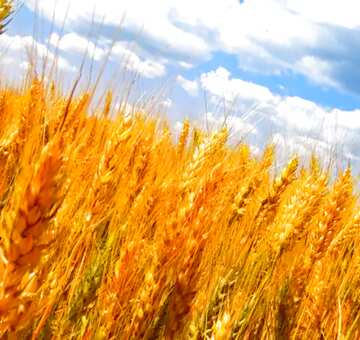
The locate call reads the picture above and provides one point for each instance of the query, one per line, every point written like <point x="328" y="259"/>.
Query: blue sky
<point x="285" y="71"/>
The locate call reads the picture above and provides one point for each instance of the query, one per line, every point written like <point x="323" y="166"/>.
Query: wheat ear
<point x="21" y="252"/>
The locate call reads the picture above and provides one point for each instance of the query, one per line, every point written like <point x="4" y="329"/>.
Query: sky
<point x="281" y="71"/>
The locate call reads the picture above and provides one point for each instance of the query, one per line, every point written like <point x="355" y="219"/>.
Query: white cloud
<point x="342" y="13"/>
<point x="317" y="69"/>
<point x="316" y="39"/>
<point x="237" y="125"/>
<point x="348" y="119"/>
<point x="148" y="68"/>
<point x="16" y="50"/>
<point x="74" y="43"/>
<point x="307" y="125"/>
<point x="304" y="146"/>
<point x="290" y="111"/>
<point x="149" y="19"/>
<point x="167" y="103"/>
<point x="299" y="113"/>
<point x="268" y="36"/>
<point x="220" y="84"/>
<point x="190" y="86"/>
<point x="185" y="65"/>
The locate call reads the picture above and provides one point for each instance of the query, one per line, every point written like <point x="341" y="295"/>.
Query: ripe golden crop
<point x="5" y="11"/>
<point x="112" y="230"/>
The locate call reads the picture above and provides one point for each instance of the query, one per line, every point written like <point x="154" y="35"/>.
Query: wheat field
<point x="112" y="227"/>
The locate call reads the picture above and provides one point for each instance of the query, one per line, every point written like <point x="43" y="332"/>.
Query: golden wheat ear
<point x="6" y="8"/>
<point x="22" y="251"/>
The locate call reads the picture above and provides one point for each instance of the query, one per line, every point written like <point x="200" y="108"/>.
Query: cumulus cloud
<point x="74" y="43"/>
<point x="237" y="125"/>
<point x="16" y="50"/>
<point x="267" y="36"/>
<point x="298" y="125"/>
<point x="317" y="40"/>
<point x="220" y="84"/>
<point x="149" y="19"/>
<point x="271" y="37"/>
<point x="190" y="86"/>
<point x="303" y="146"/>
<point x="148" y="68"/>
<point x="185" y="65"/>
